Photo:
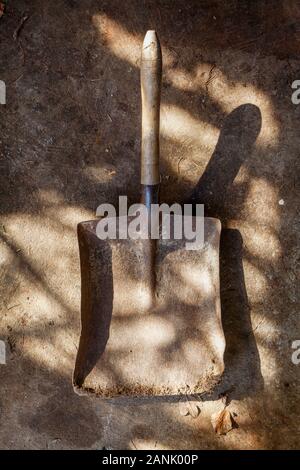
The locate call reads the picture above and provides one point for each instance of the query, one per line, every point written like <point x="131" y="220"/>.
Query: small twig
<point x="16" y="79"/>
<point x="178" y="165"/>
<point x="258" y="325"/>
<point x="134" y="444"/>
<point x="13" y="306"/>
<point x="20" y="26"/>
<point x="79" y="77"/>
<point x="174" y="50"/>
<point x="16" y="35"/>
<point x="210" y="77"/>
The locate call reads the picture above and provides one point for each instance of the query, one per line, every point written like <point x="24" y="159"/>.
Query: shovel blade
<point x="134" y="343"/>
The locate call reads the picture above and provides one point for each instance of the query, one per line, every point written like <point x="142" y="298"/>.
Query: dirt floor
<point x="70" y="140"/>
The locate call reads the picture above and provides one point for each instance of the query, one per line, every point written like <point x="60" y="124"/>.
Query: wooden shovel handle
<point x="151" y="66"/>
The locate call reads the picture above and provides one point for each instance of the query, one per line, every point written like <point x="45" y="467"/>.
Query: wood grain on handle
<point x="151" y="66"/>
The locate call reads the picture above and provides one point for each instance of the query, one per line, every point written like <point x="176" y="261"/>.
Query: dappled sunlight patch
<point x="268" y="360"/>
<point x="99" y="175"/>
<point x="50" y="197"/>
<point x="200" y="280"/>
<point x="123" y="44"/>
<point x="259" y="283"/>
<point x="229" y="96"/>
<point x="268" y="337"/>
<point x="41" y="305"/>
<point x="6" y="257"/>
<point x="29" y="231"/>
<point x="69" y="216"/>
<point x="140" y="295"/>
<point x="178" y="124"/>
<point x="48" y="355"/>
<point x="58" y="211"/>
<point x="266" y="328"/>
<point x="148" y="331"/>
<point x="262" y="202"/>
<point x="42" y="292"/>
<point x="183" y="80"/>
<point x="262" y="244"/>
<point x="187" y="142"/>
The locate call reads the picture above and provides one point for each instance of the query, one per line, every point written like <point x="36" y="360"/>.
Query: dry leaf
<point x="188" y="407"/>
<point x="222" y="422"/>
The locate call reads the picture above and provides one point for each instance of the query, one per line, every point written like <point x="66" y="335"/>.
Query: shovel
<point x="150" y="309"/>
